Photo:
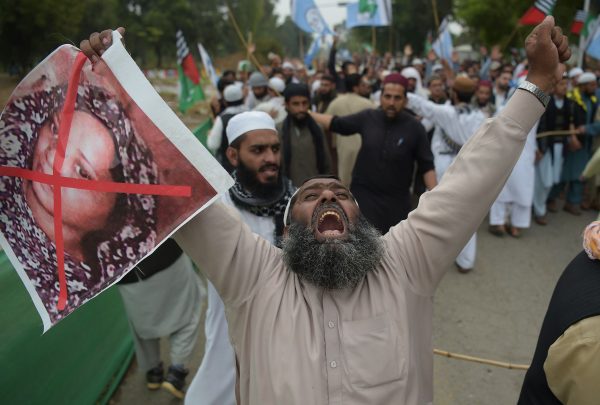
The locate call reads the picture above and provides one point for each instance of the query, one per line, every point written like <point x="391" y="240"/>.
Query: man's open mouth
<point x="331" y="223"/>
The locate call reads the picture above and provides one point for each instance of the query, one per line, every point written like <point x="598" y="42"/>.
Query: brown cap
<point x="463" y="84"/>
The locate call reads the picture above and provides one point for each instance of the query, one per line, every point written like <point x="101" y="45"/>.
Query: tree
<point x="30" y="29"/>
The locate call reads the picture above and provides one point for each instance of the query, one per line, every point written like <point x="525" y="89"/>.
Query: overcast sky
<point x="332" y="13"/>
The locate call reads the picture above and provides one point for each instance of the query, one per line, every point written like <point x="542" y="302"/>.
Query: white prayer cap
<point x="417" y="61"/>
<point x="410" y="73"/>
<point x="233" y="93"/>
<point x="246" y="122"/>
<point x="277" y="84"/>
<point x="576" y="71"/>
<point x="288" y="65"/>
<point x="587" y="77"/>
<point x="436" y="67"/>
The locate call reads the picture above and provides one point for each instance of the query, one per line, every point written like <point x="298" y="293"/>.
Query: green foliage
<point x="30" y="29"/>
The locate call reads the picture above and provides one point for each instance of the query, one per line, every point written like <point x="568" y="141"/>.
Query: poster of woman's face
<point x="121" y="132"/>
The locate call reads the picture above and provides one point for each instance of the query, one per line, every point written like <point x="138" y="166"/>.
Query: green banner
<point x="189" y="93"/>
<point x="79" y="361"/>
<point x="201" y="132"/>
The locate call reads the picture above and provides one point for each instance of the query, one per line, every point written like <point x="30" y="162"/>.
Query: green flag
<point x="190" y="90"/>
<point x="201" y="132"/>
<point x="367" y="6"/>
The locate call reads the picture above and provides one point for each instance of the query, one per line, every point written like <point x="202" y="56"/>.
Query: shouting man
<point x="317" y="328"/>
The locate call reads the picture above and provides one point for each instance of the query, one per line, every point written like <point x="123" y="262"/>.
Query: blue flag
<point x="442" y="46"/>
<point x="372" y="13"/>
<point x="315" y="46"/>
<point x="593" y="47"/>
<point x="308" y="18"/>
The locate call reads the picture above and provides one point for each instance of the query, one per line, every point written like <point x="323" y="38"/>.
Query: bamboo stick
<point x="243" y="40"/>
<point x="563" y="132"/>
<point x="480" y="360"/>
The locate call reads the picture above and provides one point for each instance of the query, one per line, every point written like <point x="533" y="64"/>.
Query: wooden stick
<point x="564" y="132"/>
<point x="512" y="35"/>
<point x="436" y="18"/>
<point x="480" y="360"/>
<point x="373" y="39"/>
<point x="242" y="39"/>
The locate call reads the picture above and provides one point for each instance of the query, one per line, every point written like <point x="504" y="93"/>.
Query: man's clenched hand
<point x="95" y="46"/>
<point x="546" y="49"/>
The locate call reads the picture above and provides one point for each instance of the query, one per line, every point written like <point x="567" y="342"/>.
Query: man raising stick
<point x="341" y="314"/>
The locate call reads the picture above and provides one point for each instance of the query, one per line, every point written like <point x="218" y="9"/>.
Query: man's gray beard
<point x="335" y="263"/>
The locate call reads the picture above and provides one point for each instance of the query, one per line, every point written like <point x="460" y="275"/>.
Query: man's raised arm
<point x="346" y="125"/>
<point x="433" y="235"/>
<point x="234" y="259"/>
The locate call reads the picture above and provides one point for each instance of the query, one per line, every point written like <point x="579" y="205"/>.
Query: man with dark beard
<point x="500" y="90"/>
<point x="260" y="194"/>
<point x="369" y="341"/>
<point x="305" y="152"/>
<point x="325" y="93"/>
<point x="331" y="263"/>
<point x="392" y="142"/>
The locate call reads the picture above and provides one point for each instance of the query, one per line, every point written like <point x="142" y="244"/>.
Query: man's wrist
<point x="542" y="96"/>
<point x="544" y="83"/>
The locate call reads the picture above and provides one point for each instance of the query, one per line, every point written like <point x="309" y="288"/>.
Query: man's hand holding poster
<point x="95" y="172"/>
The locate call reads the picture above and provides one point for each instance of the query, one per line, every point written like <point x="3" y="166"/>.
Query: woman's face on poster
<point x="90" y="155"/>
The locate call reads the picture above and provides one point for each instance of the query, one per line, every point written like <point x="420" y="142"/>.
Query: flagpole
<point x="241" y="37"/>
<point x="436" y="17"/>
<point x="512" y="35"/>
<point x="586" y="9"/>
<point x="373" y="38"/>
<point x="249" y="45"/>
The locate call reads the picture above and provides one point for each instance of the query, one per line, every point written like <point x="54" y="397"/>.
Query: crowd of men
<point x="279" y="319"/>
<point x="449" y="99"/>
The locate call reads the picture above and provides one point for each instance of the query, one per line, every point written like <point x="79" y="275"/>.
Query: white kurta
<point x="213" y="141"/>
<point x="459" y="127"/>
<point x="519" y="187"/>
<point x="154" y="311"/>
<point x="274" y="107"/>
<point x="214" y="384"/>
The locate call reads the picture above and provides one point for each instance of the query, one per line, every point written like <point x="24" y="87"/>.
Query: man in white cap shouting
<point x="341" y="314"/>
<point x="260" y="194"/>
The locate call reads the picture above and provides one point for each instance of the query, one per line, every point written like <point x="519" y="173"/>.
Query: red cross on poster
<point x="96" y="171"/>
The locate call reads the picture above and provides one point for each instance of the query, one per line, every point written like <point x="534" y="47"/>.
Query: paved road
<point x="494" y="312"/>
